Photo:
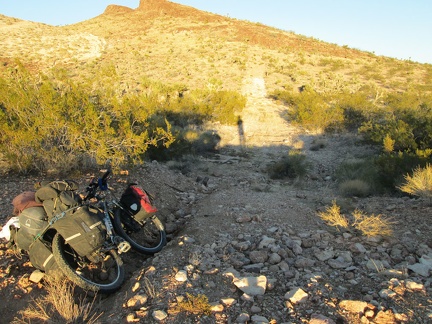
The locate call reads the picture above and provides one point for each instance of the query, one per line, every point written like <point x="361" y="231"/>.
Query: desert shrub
<point x="419" y="183"/>
<point x="354" y="188"/>
<point x="371" y="225"/>
<point x="367" y="225"/>
<point x="358" y="177"/>
<point x="399" y="131"/>
<point x="292" y="166"/>
<point x="318" y="144"/>
<point x="357" y="108"/>
<point x="353" y="118"/>
<point x="392" y="167"/>
<point x="332" y="111"/>
<point x="313" y="111"/>
<point x="406" y="120"/>
<point x="222" y="106"/>
<point x="197" y="305"/>
<point x="333" y="216"/>
<point x="206" y="142"/>
<point x="307" y="108"/>
<point x="199" y="106"/>
<point x="59" y="125"/>
<point x="189" y="140"/>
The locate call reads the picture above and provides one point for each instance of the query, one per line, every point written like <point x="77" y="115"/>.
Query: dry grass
<point x="368" y="225"/>
<point x="59" y="305"/>
<point x="420" y="183"/>
<point x="150" y="289"/>
<point x="372" y="225"/>
<point x="333" y="217"/>
<point x="198" y="305"/>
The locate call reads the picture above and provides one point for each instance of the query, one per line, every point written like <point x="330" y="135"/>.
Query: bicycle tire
<point x="105" y="276"/>
<point x="149" y="238"/>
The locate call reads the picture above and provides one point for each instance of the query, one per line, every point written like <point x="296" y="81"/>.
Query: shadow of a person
<point x="241" y="131"/>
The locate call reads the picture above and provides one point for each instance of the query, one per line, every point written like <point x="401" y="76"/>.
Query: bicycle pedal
<point x="123" y="247"/>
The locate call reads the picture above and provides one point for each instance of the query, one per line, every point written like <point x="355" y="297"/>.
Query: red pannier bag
<point x="138" y="203"/>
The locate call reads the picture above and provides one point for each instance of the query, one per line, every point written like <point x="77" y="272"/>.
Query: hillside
<point x="173" y="43"/>
<point x="241" y="224"/>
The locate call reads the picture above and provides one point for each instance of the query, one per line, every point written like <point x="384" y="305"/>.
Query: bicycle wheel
<point x="147" y="237"/>
<point x="105" y="276"/>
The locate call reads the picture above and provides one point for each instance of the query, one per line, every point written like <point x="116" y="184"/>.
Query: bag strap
<point x="51" y="222"/>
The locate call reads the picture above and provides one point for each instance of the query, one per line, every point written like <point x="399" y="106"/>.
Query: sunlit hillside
<point x="172" y="43"/>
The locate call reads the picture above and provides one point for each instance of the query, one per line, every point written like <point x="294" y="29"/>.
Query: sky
<point x="400" y="29"/>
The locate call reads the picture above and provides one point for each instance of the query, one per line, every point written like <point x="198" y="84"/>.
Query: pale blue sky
<point x="395" y="28"/>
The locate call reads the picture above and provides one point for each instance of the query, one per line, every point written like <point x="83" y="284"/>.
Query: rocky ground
<point x="256" y="247"/>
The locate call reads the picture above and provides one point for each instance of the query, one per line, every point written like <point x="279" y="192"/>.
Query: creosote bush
<point x="354" y="188"/>
<point x="54" y="124"/>
<point x="358" y="177"/>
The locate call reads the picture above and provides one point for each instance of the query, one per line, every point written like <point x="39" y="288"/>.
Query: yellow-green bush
<point x="47" y="126"/>
<point x="58" y="125"/>
<point x="314" y="111"/>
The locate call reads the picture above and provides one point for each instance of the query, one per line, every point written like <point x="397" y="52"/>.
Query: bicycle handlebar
<point x="100" y="183"/>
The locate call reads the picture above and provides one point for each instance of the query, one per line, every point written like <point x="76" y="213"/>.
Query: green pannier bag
<point x="41" y="256"/>
<point x="58" y="196"/>
<point x="33" y="220"/>
<point x="82" y="229"/>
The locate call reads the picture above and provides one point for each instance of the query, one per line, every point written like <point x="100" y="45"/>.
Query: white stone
<point x="136" y="301"/>
<point x="253" y="286"/>
<point x="296" y="296"/>
<point x="324" y="255"/>
<point x="159" y="315"/>
<point x="181" y="276"/>
<point x="36" y="276"/>
<point x="387" y="293"/>
<point x="411" y="285"/>
<point x="257" y="319"/>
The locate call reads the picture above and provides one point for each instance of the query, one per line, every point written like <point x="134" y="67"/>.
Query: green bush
<point x="331" y="112"/>
<point x="52" y="125"/>
<point x="314" y="111"/>
<point x="58" y="125"/>
<point x="292" y="166"/>
<point x="392" y="167"/>
<point x="354" y="188"/>
<point x="358" y="177"/>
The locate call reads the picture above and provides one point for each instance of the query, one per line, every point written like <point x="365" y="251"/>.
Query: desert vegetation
<point x="398" y="124"/>
<point x="357" y="221"/>
<point x="57" y="124"/>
